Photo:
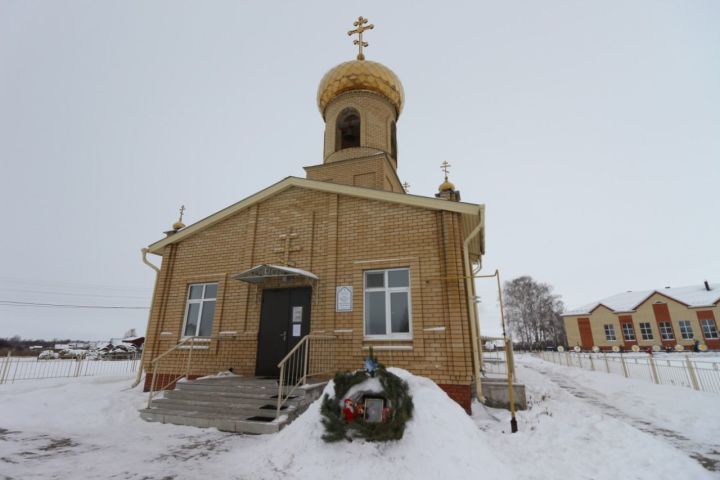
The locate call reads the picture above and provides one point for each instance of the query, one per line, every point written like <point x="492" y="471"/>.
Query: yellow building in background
<point x="665" y="317"/>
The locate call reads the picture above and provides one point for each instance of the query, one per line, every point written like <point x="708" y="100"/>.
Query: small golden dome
<point x="360" y="75"/>
<point x="178" y="225"/>
<point x="446" y="185"/>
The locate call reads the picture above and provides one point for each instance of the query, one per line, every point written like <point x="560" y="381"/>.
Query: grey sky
<point x="591" y="131"/>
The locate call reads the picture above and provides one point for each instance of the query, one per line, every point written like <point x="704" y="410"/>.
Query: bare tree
<point x="533" y="313"/>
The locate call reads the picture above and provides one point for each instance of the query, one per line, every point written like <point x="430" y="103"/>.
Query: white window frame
<point x="626" y="333"/>
<point x="201" y="301"/>
<point x="666" y="331"/>
<point x="646" y="332"/>
<point x="610" y="332"/>
<point x="685" y="327"/>
<point x="389" y="335"/>
<point x="711" y="333"/>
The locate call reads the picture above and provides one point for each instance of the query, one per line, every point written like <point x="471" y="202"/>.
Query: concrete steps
<point x="232" y="404"/>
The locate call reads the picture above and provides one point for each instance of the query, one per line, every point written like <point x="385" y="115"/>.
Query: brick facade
<point x="340" y="237"/>
<point x="337" y="237"/>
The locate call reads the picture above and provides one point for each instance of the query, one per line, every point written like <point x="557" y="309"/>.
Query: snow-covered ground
<point x="579" y="425"/>
<point x="591" y="425"/>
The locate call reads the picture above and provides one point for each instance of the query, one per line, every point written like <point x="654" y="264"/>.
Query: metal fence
<point x="13" y="369"/>
<point x="664" y="369"/>
<point x="494" y="352"/>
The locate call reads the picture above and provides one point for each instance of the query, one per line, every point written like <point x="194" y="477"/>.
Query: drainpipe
<point x="138" y="377"/>
<point x="471" y="305"/>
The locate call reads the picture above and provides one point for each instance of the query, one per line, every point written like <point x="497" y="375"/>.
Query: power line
<point x="43" y="283"/>
<point x="20" y="290"/>
<point x="12" y="303"/>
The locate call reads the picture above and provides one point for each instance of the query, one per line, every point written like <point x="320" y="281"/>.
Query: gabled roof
<point x="472" y="214"/>
<point x="692" y="296"/>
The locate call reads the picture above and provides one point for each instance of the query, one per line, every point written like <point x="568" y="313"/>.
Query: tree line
<point x="533" y="313"/>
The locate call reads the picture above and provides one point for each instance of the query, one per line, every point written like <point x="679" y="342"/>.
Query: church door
<point x="284" y="320"/>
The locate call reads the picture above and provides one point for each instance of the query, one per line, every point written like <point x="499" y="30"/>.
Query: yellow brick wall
<point x="375" y="171"/>
<point x="376" y="116"/>
<point x="340" y="237"/>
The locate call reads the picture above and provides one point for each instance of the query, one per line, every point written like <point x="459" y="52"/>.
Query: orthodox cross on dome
<point x="406" y="186"/>
<point x="445" y="167"/>
<point x="361" y="27"/>
<point x="287" y="249"/>
<point x="179" y="224"/>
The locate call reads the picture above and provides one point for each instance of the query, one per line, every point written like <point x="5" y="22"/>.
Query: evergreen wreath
<point x="339" y="413"/>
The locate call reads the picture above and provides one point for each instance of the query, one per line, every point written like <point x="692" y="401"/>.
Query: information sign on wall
<point x="344" y="298"/>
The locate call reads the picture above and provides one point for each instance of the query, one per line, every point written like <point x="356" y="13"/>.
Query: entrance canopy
<point x="261" y="273"/>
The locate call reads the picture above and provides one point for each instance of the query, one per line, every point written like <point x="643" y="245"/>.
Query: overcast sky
<point x="590" y="130"/>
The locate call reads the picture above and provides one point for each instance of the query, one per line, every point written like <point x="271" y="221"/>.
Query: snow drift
<point x="440" y="441"/>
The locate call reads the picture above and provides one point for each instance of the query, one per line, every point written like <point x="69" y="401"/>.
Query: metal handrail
<point x="156" y="361"/>
<point x="181" y="366"/>
<point x="294" y="368"/>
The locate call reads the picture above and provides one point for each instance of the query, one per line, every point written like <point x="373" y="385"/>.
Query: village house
<point x="307" y="274"/>
<point x="665" y="318"/>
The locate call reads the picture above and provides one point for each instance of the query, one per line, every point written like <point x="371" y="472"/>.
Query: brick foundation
<point x="462" y="394"/>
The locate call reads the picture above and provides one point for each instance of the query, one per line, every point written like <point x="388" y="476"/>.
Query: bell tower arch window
<point x="348" y="129"/>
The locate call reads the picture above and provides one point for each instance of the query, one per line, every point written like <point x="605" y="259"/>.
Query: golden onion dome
<point x="446" y="185"/>
<point x="360" y="75"/>
<point x="178" y="225"/>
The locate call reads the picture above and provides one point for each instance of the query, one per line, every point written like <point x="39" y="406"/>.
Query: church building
<point x="328" y="265"/>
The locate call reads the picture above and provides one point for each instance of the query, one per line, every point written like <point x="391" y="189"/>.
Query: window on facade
<point x="686" y="331"/>
<point x="666" y="331"/>
<point x="628" y="332"/>
<point x="348" y="129"/>
<point x="200" y="309"/>
<point x="709" y="328"/>
<point x="387" y="303"/>
<point x="610" y="333"/>
<point x="646" y="331"/>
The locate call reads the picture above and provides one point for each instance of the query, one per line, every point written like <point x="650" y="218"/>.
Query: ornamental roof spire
<point x="179" y="224"/>
<point x="360" y="28"/>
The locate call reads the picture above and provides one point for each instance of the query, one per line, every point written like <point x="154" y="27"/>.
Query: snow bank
<point x="591" y="425"/>
<point x="616" y="428"/>
<point x="440" y="441"/>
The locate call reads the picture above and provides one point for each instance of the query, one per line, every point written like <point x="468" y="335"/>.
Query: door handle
<point x="284" y="336"/>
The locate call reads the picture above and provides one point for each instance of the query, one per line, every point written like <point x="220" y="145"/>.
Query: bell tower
<point x="360" y="102"/>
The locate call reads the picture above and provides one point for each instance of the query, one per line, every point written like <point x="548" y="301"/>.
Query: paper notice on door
<point x="297" y="314"/>
<point x="296" y="330"/>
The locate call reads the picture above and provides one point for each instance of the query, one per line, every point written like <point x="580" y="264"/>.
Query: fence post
<point x="691" y="373"/>
<point x="625" y="370"/>
<point x="592" y="364"/>
<point x="5" y="368"/>
<point x="567" y="358"/>
<point x="653" y="370"/>
<point x="607" y="365"/>
<point x="579" y="355"/>
<point x="77" y="368"/>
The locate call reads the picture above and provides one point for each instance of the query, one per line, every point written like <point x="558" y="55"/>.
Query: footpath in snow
<point x="580" y="425"/>
<point x="583" y="424"/>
